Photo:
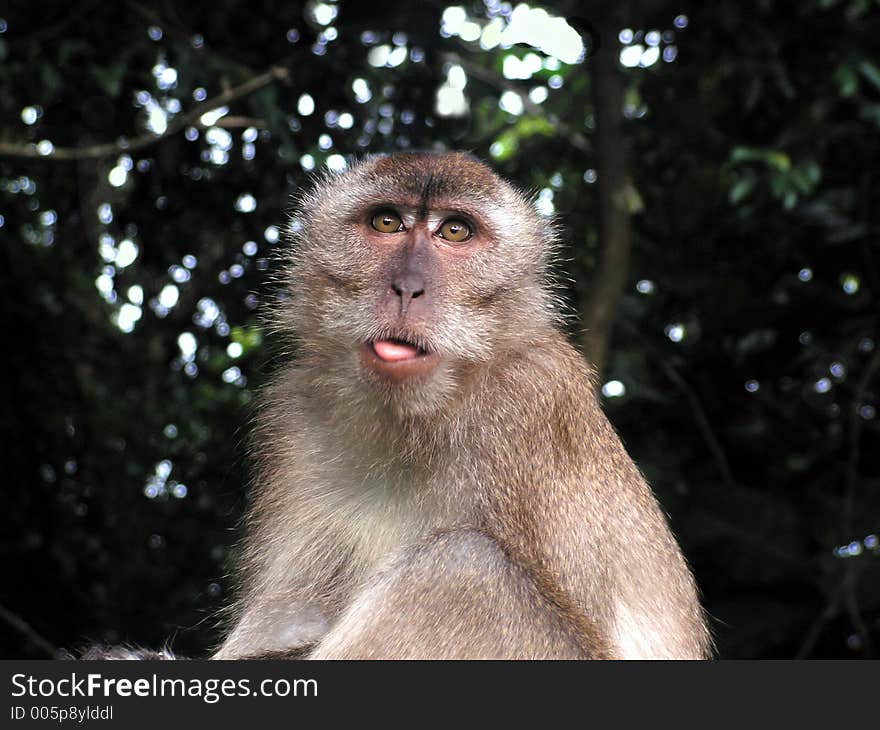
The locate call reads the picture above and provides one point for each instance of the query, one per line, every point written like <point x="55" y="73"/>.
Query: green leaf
<point x="773" y="158"/>
<point x="847" y="81"/>
<point x="870" y="72"/>
<point x="52" y="81"/>
<point x="632" y="199"/>
<point x="741" y="189"/>
<point x="779" y="160"/>
<point x="507" y="143"/>
<point x="800" y="180"/>
<point x="109" y="78"/>
<point x="531" y="126"/>
<point x="745" y="154"/>
<point x="779" y="185"/>
<point x="247" y="337"/>
<point x="871" y="113"/>
<point x="504" y="146"/>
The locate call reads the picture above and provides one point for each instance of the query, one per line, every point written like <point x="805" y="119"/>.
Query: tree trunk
<point x="599" y="306"/>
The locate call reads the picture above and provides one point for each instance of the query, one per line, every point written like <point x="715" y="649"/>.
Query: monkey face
<point x="411" y="270"/>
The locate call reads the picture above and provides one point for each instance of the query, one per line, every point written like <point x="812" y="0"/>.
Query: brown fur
<point x="486" y="510"/>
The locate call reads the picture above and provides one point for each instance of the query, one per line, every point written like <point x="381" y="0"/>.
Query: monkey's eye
<point x="386" y="221"/>
<point x="455" y="230"/>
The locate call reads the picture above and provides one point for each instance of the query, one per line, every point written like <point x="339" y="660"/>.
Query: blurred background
<point x="716" y="171"/>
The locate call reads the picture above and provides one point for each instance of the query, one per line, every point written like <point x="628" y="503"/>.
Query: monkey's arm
<point x="279" y="626"/>
<point x="456" y="595"/>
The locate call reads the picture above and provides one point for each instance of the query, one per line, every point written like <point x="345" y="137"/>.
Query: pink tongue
<point x="394" y="351"/>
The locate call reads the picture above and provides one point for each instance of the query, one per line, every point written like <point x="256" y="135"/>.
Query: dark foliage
<point x="746" y="341"/>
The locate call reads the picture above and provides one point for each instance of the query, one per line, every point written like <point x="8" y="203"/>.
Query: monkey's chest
<point x="364" y="535"/>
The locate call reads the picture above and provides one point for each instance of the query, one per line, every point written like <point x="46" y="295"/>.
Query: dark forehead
<point x="426" y="175"/>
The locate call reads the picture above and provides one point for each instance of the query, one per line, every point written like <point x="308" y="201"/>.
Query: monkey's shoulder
<point x="547" y="383"/>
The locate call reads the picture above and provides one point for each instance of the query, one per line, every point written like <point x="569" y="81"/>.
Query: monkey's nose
<point x="408" y="287"/>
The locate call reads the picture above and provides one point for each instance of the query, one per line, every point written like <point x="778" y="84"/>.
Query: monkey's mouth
<point x="397" y="359"/>
<point x="397" y="350"/>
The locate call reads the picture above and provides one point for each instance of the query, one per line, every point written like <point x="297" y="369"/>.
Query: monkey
<point x="435" y="477"/>
<point x="126" y="653"/>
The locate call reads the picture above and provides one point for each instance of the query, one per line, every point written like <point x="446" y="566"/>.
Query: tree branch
<point x="815" y="631"/>
<point x="47" y="32"/>
<point x="851" y="573"/>
<point x="846" y="591"/>
<point x="26" y="630"/>
<point x="855" y="432"/>
<point x="276" y="73"/>
<point x="700" y="417"/>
